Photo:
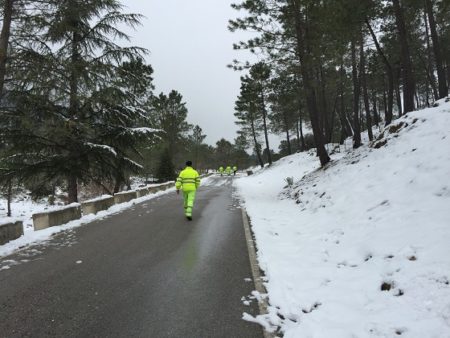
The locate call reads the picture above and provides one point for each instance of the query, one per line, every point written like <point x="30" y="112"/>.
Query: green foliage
<point x="168" y="113"/>
<point x="224" y="151"/>
<point x="309" y="42"/>
<point x="76" y="98"/>
<point x="166" y="169"/>
<point x="195" y="145"/>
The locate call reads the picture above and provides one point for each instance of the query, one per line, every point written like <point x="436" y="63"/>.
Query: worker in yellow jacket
<point x="228" y="170"/>
<point x="188" y="181"/>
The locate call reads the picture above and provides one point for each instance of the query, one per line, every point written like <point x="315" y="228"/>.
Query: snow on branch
<point x="102" y="147"/>
<point x="133" y="163"/>
<point x="142" y="130"/>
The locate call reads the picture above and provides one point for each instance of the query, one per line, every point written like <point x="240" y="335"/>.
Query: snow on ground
<point x="23" y="207"/>
<point x="362" y="247"/>
<point x="32" y="237"/>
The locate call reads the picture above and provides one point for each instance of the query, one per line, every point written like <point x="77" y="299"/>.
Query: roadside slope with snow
<point x="362" y="247"/>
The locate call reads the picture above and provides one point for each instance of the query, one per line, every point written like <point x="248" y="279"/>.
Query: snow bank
<point x="23" y="208"/>
<point x="362" y="247"/>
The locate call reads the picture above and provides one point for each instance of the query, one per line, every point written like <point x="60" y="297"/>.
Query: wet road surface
<point x="145" y="272"/>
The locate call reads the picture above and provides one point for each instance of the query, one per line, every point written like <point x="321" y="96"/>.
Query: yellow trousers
<point x="189" y="198"/>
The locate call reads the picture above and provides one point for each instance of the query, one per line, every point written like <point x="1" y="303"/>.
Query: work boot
<point x="189" y="218"/>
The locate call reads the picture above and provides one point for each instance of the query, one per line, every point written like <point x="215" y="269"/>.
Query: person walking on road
<point x="228" y="170"/>
<point x="221" y="171"/>
<point x="234" y="170"/>
<point x="188" y="181"/>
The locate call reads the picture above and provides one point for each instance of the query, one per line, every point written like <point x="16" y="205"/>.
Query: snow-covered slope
<point x="362" y="247"/>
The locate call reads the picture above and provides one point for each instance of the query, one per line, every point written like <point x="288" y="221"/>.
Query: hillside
<point x="360" y="248"/>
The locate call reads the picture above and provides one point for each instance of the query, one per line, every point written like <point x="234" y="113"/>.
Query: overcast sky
<point x="190" y="47"/>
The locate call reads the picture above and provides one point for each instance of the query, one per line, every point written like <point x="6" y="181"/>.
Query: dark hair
<point x="189" y="163"/>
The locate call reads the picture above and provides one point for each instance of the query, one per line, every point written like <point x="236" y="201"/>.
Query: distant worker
<point x="188" y="181"/>
<point x="234" y="170"/>
<point x="221" y="171"/>
<point x="228" y="170"/>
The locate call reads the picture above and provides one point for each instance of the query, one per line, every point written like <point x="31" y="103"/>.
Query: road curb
<point x="259" y="286"/>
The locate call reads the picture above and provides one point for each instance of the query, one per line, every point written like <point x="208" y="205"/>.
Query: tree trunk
<point x="288" y="136"/>
<point x="405" y="56"/>
<point x="384" y="96"/>
<point x="73" y="110"/>
<point x="346" y="126"/>
<point x="362" y="62"/>
<point x="398" y="96"/>
<point x="376" y="115"/>
<point x="266" y="135"/>
<point x="356" y="94"/>
<point x="325" y="126"/>
<point x="390" y="74"/>
<point x="443" y="89"/>
<point x="429" y="66"/>
<point x="299" y="127"/>
<point x="257" y="146"/>
<point x="4" y="40"/>
<point x="302" y="137"/>
<point x="333" y="116"/>
<point x="117" y="182"/>
<point x="448" y="68"/>
<point x="72" y="188"/>
<point x="305" y="60"/>
<point x="297" y="130"/>
<point x="9" y="198"/>
<point x="427" y="93"/>
<point x="288" y="140"/>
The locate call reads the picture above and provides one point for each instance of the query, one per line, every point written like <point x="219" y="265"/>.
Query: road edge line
<point x="259" y="286"/>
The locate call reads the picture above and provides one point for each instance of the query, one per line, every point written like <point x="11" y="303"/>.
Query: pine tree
<point x="168" y="113"/>
<point x="248" y="116"/>
<point x="443" y="89"/>
<point x="196" y="139"/>
<point x="407" y="69"/>
<point x="67" y="100"/>
<point x="284" y="106"/>
<point x="224" y="152"/>
<point x="166" y="169"/>
<point x="260" y="75"/>
<point x="8" y="8"/>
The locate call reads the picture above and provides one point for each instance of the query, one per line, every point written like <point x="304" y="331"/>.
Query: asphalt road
<point x="146" y="272"/>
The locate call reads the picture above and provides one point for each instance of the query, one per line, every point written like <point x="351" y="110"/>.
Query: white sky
<point x="190" y="47"/>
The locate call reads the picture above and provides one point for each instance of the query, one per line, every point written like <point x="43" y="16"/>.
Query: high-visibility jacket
<point x="228" y="169"/>
<point x="220" y="169"/>
<point x="188" y="180"/>
<point x="234" y="168"/>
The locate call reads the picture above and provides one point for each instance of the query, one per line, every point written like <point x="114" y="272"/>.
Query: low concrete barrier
<point x="10" y="231"/>
<point x="97" y="204"/>
<point x="142" y="192"/>
<point x="161" y="187"/>
<point x="165" y="186"/>
<point x="152" y="190"/>
<point x="125" y="196"/>
<point x="44" y="220"/>
<point x="64" y="215"/>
